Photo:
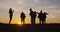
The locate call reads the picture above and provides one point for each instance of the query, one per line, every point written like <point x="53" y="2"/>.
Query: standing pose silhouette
<point x="44" y="17"/>
<point x="10" y="14"/>
<point x="40" y="16"/>
<point x="33" y="16"/>
<point x="23" y="17"/>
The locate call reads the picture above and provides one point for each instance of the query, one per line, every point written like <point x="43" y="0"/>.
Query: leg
<point x="40" y="21"/>
<point x="10" y="19"/>
<point x="21" y="20"/>
<point x="31" y="20"/>
<point x="44" y="21"/>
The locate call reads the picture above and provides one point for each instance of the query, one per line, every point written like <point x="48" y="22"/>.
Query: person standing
<point x="33" y="16"/>
<point x="44" y="17"/>
<point x="10" y="14"/>
<point x="23" y="17"/>
<point x="40" y="16"/>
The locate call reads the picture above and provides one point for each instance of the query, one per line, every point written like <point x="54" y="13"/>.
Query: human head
<point x="41" y="11"/>
<point x="10" y="9"/>
<point x="30" y="9"/>
<point x="44" y="12"/>
<point x="22" y="12"/>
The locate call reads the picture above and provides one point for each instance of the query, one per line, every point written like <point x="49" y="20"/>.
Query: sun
<point x="20" y="23"/>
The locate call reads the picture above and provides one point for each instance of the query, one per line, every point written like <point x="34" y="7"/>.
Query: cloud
<point x="51" y="6"/>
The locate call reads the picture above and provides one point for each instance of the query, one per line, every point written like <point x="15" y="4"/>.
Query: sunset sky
<point x="50" y="6"/>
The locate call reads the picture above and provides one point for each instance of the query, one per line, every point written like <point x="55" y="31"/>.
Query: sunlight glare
<point x="20" y="23"/>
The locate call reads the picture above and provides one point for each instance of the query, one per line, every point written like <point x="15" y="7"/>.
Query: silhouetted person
<point x="22" y="17"/>
<point x="44" y="17"/>
<point x="10" y="14"/>
<point x="40" y="16"/>
<point x="33" y="16"/>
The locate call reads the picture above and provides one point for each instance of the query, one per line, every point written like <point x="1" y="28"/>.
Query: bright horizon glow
<point x="19" y="23"/>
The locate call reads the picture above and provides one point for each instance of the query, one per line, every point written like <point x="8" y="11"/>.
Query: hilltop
<point x="29" y="28"/>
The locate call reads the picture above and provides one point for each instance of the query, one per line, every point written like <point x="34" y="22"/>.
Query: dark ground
<point x="30" y="28"/>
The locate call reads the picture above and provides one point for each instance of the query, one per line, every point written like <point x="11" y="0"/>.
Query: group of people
<point x="33" y="14"/>
<point x="41" y="16"/>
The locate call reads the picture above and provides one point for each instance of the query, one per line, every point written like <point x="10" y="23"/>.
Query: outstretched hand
<point x="13" y="10"/>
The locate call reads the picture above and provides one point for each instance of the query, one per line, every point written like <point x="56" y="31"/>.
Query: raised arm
<point x="47" y="13"/>
<point x="13" y="10"/>
<point x="37" y="12"/>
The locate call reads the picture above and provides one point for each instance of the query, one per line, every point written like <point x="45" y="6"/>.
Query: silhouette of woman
<point x="23" y="17"/>
<point x="10" y="14"/>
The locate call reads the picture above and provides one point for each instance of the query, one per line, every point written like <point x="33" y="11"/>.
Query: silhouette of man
<point x="10" y="14"/>
<point x="22" y="17"/>
<point x="44" y="17"/>
<point x="33" y="16"/>
<point x="40" y="16"/>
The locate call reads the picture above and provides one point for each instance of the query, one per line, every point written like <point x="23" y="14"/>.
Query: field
<point x="29" y="28"/>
